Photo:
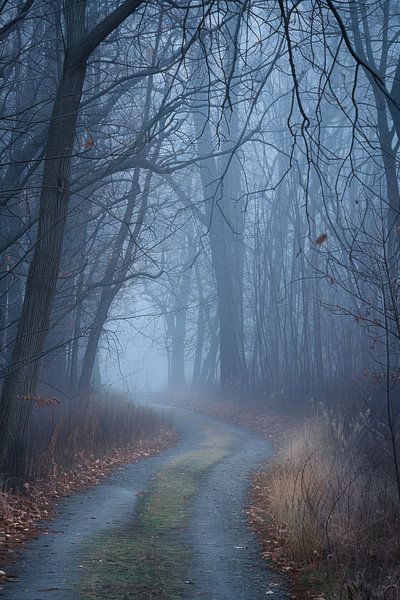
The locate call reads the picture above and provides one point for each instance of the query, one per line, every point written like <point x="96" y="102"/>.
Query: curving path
<point x="223" y="561"/>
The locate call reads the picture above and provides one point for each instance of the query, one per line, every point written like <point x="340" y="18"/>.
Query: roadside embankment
<point x="73" y="456"/>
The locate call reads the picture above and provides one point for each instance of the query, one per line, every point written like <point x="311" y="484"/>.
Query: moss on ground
<point x="148" y="559"/>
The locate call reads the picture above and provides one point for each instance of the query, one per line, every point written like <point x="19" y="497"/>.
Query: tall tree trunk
<point x="21" y="379"/>
<point x="176" y="379"/>
<point x="118" y="267"/>
<point x="96" y="330"/>
<point x="224" y="220"/>
<point x="200" y="333"/>
<point x="115" y="270"/>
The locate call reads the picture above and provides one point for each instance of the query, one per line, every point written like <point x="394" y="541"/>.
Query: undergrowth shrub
<point x="334" y="491"/>
<point x="60" y="435"/>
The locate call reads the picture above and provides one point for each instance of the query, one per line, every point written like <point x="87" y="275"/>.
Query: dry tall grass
<point x="69" y="448"/>
<point x="332" y="489"/>
<point x="61" y="435"/>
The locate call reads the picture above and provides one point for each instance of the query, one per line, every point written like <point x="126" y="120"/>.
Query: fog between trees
<point x="227" y="172"/>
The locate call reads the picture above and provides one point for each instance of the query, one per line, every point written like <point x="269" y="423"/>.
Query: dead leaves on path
<point x="21" y="513"/>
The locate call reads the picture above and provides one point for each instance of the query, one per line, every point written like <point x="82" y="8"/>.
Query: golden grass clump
<point x="332" y="491"/>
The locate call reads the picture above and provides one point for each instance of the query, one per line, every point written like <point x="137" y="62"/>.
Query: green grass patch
<point x="134" y="566"/>
<point x="148" y="559"/>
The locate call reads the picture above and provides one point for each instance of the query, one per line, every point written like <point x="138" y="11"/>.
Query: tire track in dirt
<point x="223" y="561"/>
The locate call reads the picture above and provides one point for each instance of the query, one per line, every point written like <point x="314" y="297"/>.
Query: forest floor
<point x="173" y="526"/>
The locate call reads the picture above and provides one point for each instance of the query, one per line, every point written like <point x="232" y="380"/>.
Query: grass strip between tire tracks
<point x="148" y="559"/>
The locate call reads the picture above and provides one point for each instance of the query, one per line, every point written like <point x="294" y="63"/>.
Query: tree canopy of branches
<point x="233" y="166"/>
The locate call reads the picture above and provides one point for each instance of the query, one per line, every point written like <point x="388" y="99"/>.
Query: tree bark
<point x="21" y="379"/>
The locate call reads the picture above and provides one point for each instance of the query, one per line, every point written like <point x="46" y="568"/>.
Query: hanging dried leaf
<point x="89" y="143"/>
<point x="321" y="239"/>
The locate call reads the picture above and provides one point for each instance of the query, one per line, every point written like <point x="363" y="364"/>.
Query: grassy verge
<point x="328" y="513"/>
<point x="147" y="559"/>
<point x="83" y="462"/>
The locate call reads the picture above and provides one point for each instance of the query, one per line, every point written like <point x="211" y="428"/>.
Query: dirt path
<point x="167" y="527"/>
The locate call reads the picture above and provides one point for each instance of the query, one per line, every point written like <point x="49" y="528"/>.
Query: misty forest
<point x="200" y="299"/>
